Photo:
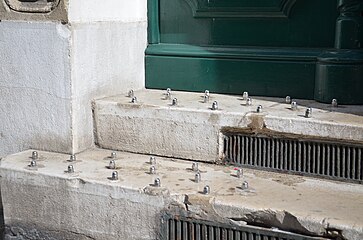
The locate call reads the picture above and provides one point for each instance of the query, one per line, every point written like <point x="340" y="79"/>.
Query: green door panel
<point x="232" y="75"/>
<point x="266" y="47"/>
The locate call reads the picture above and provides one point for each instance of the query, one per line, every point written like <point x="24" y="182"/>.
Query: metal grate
<point x="308" y="157"/>
<point x="191" y="229"/>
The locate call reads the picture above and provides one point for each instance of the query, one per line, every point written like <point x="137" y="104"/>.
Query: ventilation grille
<point x="191" y="229"/>
<point x="324" y="159"/>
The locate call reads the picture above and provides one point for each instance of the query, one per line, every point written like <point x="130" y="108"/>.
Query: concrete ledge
<point x="87" y="205"/>
<point x="192" y="130"/>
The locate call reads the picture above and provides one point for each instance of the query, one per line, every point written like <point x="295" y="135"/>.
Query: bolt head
<point x="168" y="95"/>
<point x="33" y="163"/>
<point x="244" y="185"/>
<point x="288" y="99"/>
<point x="35" y="155"/>
<point x="113" y="155"/>
<point x="134" y="100"/>
<point x="114" y="175"/>
<point x="249" y="101"/>
<point x="70" y="169"/>
<point x="206" y="190"/>
<point x="293" y="106"/>
<point x="197" y="177"/>
<point x="206" y="99"/>
<point x="112" y="164"/>
<point x="152" y="160"/>
<point x="334" y="103"/>
<point x="152" y="170"/>
<point x="206" y="93"/>
<point x="308" y="113"/>
<point x="157" y="182"/>
<point x="72" y="158"/>
<point x="131" y="93"/>
<point x="195" y="167"/>
<point x="245" y="95"/>
<point x="239" y="173"/>
<point x="259" y="109"/>
<point x="215" y="105"/>
<point x="168" y="90"/>
<point x="174" y="102"/>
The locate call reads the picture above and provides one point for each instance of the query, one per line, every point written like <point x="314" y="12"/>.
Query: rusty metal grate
<point x="177" y="228"/>
<point x="337" y="161"/>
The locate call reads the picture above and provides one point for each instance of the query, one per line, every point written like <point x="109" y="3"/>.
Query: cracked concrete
<point x="88" y="203"/>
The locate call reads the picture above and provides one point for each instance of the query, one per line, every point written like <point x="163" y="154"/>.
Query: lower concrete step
<point x="45" y="198"/>
<point x="327" y="143"/>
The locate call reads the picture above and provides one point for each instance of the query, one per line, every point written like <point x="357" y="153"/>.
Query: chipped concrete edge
<point x="194" y="206"/>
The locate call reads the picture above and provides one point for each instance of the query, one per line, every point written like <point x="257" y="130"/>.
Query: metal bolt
<point x="70" y="169"/>
<point x="197" y="177"/>
<point x="168" y="95"/>
<point x="33" y="163"/>
<point x="206" y="190"/>
<point x="244" y="185"/>
<point x="72" y="158"/>
<point x="206" y="93"/>
<point x="334" y="103"/>
<point x="174" y="102"/>
<point x="245" y="95"/>
<point x="249" y="101"/>
<point x="113" y="155"/>
<point x="259" y="108"/>
<point x="152" y="170"/>
<point x="215" y="105"/>
<point x="168" y="90"/>
<point x="293" y="106"/>
<point x="239" y="172"/>
<point x="134" y="100"/>
<point x="35" y="155"/>
<point x="288" y="99"/>
<point x="114" y="175"/>
<point x="131" y="93"/>
<point x="206" y="98"/>
<point x="112" y="164"/>
<point x="195" y="167"/>
<point x="308" y="112"/>
<point x="157" y="182"/>
<point x="152" y="160"/>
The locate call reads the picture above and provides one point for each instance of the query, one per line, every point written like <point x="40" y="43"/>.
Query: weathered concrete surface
<point x="191" y="130"/>
<point x="87" y="205"/>
<point x="35" y="87"/>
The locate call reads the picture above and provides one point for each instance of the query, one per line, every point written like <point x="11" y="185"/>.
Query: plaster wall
<point x="35" y="87"/>
<point x="107" y="59"/>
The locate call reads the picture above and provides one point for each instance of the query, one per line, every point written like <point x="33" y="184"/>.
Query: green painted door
<point x="265" y="47"/>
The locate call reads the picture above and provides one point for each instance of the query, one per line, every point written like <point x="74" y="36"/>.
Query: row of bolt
<point x="245" y="96"/>
<point x="152" y="170"/>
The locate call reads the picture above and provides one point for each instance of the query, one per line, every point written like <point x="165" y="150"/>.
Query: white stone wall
<point x="35" y="87"/>
<point x="50" y="72"/>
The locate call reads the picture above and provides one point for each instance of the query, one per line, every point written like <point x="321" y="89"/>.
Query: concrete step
<point x="48" y="201"/>
<point x="192" y="130"/>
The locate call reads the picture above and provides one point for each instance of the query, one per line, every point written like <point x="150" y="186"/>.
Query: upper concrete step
<point x="87" y="204"/>
<point x="192" y="130"/>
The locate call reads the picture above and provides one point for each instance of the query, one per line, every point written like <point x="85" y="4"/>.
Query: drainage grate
<point x="308" y="157"/>
<point x="178" y="228"/>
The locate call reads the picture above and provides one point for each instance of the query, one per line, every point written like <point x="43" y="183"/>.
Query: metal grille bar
<point x="176" y="228"/>
<point x="337" y="161"/>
